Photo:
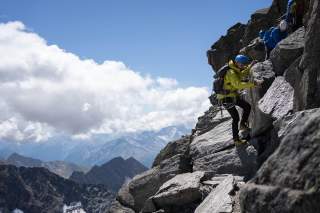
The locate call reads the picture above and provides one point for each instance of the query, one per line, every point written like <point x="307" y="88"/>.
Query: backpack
<point x="218" y="83"/>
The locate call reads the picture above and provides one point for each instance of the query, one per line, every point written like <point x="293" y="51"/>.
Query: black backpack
<point x="219" y="81"/>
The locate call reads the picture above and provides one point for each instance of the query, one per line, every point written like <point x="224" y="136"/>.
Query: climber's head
<point x="283" y="26"/>
<point x="241" y="61"/>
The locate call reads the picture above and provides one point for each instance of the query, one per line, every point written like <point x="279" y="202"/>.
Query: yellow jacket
<point x="233" y="80"/>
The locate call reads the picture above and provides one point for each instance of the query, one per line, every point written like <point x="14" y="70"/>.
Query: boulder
<point x="289" y="180"/>
<point x="287" y="51"/>
<point x="219" y="200"/>
<point x="262" y="71"/>
<point x="216" y="140"/>
<point x="267" y="143"/>
<point x="209" y="120"/>
<point x="143" y="186"/>
<point x="180" y="190"/>
<point x="146" y="184"/>
<point x="214" y="151"/>
<point x="293" y="76"/>
<point x="278" y="101"/>
<point x="309" y="87"/>
<point x="116" y="207"/>
<point x="255" y="50"/>
<point x="173" y="148"/>
<point x="124" y="197"/>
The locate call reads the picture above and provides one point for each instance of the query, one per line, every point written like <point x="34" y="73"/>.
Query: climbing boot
<point x="240" y="142"/>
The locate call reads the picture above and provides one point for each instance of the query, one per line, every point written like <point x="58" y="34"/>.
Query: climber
<point x="294" y="14"/>
<point x="273" y="36"/>
<point x="228" y="93"/>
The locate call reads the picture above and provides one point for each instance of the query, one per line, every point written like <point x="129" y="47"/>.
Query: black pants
<point x="230" y="105"/>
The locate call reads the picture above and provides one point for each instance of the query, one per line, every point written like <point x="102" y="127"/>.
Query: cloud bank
<point x="45" y="90"/>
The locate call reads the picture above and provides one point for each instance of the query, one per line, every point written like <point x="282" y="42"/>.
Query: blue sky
<point x="165" y="38"/>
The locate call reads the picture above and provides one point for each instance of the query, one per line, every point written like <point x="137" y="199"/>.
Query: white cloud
<point x="44" y="88"/>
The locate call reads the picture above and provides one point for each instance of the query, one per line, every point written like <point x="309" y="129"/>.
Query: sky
<point x="102" y="66"/>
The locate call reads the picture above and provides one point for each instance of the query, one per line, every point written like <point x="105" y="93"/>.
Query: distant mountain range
<point x="37" y="190"/>
<point x="61" y="168"/>
<point x="111" y="174"/>
<point x="143" y="146"/>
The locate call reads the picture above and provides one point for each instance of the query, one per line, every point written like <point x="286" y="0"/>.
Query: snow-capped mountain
<point x="101" y="148"/>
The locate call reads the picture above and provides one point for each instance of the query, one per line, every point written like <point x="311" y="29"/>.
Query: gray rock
<point x="216" y="140"/>
<point x="293" y="76"/>
<point x="237" y="161"/>
<point x="173" y="148"/>
<point x="209" y="120"/>
<point x="255" y="50"/>
<point x="124" y="197"/>
<point x="287" y="51"/>
<point x="146" y="184"/>
<point x="227" y="46"/>
<point x="214" y="151"/>
<point x="180" y="190"/>
<point x="262" y="71"/>
<point x="219" y="200"/>
<point x="265" y="199"/>
<point x="278" y="101"/>
<point x="289" y="180"/>
<point x="309" y="96"/>
<point x="116" y="207"/>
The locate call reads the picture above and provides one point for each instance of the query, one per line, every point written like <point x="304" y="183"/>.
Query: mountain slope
<point x="142" y="146"/>
<point x="36" y="190"/>
<point x="61" y="168"/>
<point x="111" y="174"/>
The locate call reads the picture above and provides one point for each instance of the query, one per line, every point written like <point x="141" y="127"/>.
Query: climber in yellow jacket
<point x="238" y="70"/>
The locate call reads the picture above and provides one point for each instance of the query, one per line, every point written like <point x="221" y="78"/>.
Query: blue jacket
<point x="273" y="36"/>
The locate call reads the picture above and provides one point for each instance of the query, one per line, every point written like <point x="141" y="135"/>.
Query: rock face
<point x="208" y="121"/>
<point x="288" y="180"/>
<point x="214" y="151"/>
<point x="264" y="72"/>
<point x="35" y="190"/>
<point x="309" y="86"/>
<point x="287" y="51"/>
<point x="111" y="174"/>
<point x="227" y="46"/>
<point x="276" y="103"/>
<point x="219" y="200"/>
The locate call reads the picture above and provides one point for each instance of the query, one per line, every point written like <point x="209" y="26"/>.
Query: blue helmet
<point x="242" y="59"/>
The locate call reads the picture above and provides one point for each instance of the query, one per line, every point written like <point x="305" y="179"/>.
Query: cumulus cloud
<point x="45" y="89"/>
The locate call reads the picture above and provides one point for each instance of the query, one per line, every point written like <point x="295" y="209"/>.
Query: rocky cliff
<point x="279" y="171"/>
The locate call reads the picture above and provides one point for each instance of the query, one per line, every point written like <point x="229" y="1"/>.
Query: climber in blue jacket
<point x="273" y="36"/>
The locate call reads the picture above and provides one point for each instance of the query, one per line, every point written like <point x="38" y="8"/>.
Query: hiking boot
<point x="244" y="127"/>
<point x="240" y="142"/>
